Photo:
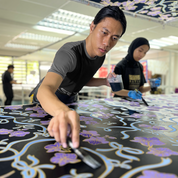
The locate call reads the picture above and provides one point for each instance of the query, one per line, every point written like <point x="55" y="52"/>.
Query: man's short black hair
<point x="114" y="12"/>
<point x="10" y="66"/>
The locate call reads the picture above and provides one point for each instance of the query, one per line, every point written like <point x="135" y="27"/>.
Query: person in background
<point x="7" y="82"/>
<point x="73" y="67"/>
<point x="132" y="70"/>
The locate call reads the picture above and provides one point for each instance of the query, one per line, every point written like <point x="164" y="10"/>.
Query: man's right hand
<point x="135" y="94"/>
<point x="59" y="127"/>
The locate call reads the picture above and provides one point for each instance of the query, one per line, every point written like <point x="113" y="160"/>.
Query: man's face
<point x="11" y="70"/>
<point x="104" y="36"/>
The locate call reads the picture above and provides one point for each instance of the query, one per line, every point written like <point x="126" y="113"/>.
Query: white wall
<point x="176" y="70"/>
<point x="165" y="64"/>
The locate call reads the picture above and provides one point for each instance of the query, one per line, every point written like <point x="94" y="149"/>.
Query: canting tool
<point x="84" y="156"/>
<point x="143" y="99"/>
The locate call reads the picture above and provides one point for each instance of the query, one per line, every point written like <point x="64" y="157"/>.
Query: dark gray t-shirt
<point x="75" y="66"/>
<point x="65" y="60"/>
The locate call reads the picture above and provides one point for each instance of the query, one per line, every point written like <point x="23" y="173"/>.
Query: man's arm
<point x="100" y="81"/>
<point x="62" y="114"/>
<point x="46" y="92"/>
<point x="14" y="82"/>
<point x="103" y="81"/>
<point x="97" y="82"/>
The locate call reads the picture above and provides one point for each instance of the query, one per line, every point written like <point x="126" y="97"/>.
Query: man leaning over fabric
<point x="73" y="67"/>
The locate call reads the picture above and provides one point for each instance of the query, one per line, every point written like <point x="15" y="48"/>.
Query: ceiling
<point x="20" y="16"/>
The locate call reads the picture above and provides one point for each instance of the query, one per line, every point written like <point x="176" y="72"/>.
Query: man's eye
<point x="115" y="39"/>
<point x="104" y="32"/>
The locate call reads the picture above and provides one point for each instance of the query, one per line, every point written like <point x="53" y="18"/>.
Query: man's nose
<point x="106" y="41"/>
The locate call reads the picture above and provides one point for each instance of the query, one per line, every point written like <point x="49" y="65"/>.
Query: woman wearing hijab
<point x="132" y="70"/>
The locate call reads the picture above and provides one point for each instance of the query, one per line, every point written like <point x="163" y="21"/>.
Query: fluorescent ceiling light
<point x="156" y="43"/>
<point x="21" y="46"/>
<point x="154" y="46"/>
<point x="48" y="29"/>
<point x="162" y="42"/>
<point x="174" y="37"/>
<point x="67" y="21"/>
<point x="34" y="36"/>
<point x="5" y="58"/>
<point x="173" y="41"/>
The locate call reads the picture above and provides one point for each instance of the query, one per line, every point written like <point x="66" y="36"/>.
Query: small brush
<point x="143" y="99"/>
<point x="84" y="156"/>
<point x="145" y="102"/>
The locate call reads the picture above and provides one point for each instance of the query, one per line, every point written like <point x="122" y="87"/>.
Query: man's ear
<point x="92" y="27"/>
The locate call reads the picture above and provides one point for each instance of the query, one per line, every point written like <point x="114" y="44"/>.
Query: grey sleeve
<point x="64" y="61"/>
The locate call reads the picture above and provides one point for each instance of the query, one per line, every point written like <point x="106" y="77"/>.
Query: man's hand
<point x="110" y="75"/>
<point x="135" y="94"/>
<point x="58" y="127"/>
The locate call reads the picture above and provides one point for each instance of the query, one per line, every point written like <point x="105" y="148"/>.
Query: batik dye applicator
<point x="84" y="156"/>
<point x="143" y="99"/>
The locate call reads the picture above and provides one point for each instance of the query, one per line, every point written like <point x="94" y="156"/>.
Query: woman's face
<point x="140" y="52"/>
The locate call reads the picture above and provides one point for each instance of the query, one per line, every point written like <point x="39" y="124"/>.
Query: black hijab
<point x="135" y="44"/>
